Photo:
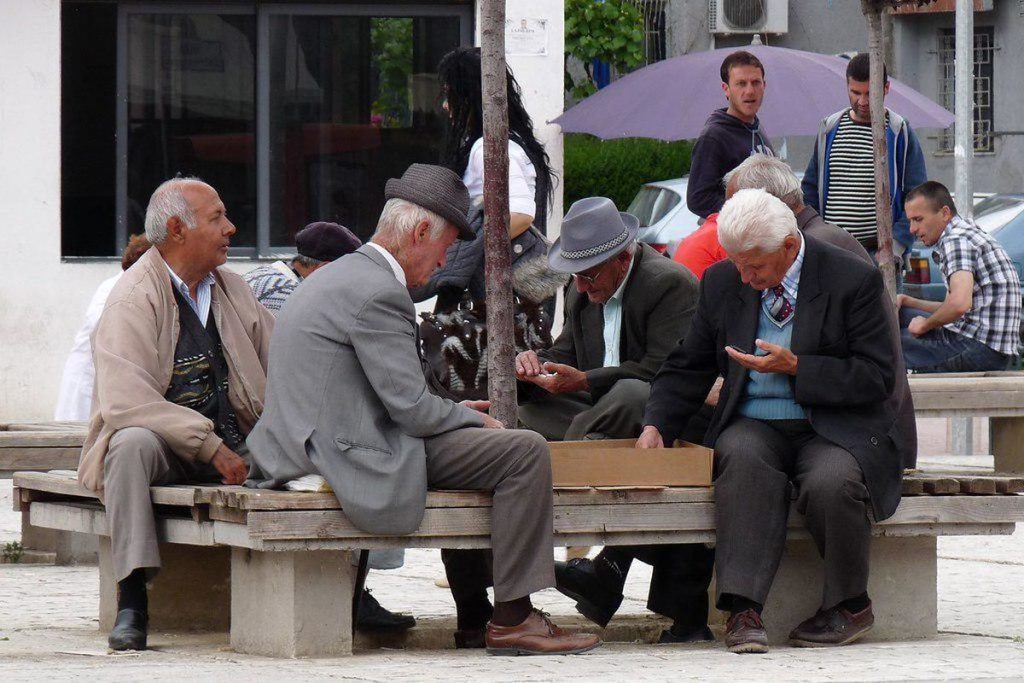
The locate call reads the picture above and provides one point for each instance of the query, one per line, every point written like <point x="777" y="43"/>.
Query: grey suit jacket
<point x="657" y="305"/>
<point x="346" y="396"/>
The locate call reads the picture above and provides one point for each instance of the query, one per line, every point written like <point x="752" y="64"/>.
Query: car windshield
<point x="996" y="203"/>
<point x="652" y="203"/>
<point x="1011" y="237"/>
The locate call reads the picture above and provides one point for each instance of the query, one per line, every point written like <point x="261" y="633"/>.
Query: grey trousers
<point x="137" y="459"/>
<point x="515" y="465"/>
<point x="618" y="414"/>
<point x="755" y="464"/>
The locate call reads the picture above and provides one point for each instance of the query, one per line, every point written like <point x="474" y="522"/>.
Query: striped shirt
<point x="850" y="203"/>
<point x="201" y="304"/>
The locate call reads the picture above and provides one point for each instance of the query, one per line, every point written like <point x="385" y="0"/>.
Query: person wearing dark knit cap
<point x="317" y="245"/>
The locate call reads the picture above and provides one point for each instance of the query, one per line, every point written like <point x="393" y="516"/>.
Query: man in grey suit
<point x="347" y="399"/>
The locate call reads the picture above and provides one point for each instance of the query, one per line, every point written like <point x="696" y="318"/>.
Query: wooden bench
<point x="40" y="447"/>
<point x="276" y="567"/>
<point x="998" y="396"/>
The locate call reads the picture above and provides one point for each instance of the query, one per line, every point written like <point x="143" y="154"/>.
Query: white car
<point x="664" y="218"/>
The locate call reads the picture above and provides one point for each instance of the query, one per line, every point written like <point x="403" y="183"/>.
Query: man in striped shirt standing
<point x="840" y="179"/>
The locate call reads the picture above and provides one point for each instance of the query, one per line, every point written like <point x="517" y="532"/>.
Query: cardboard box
<point x="615" y="462"/>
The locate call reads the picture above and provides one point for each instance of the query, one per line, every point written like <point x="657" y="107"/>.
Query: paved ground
<point x="48" y="630"/>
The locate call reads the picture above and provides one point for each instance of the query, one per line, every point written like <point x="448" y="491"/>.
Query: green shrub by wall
<point x="617" y="168"/>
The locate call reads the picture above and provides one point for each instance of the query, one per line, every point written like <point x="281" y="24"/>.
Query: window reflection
<point x="353" y="101"/>
<point x="191" y="109"/>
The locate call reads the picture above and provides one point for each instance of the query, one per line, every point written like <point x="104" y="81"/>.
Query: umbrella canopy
<point x="671" y="100"/>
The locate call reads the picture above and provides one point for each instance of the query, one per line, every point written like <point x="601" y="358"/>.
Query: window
<point x="293" y="112"/>
<point x="654" y="29"/>
<point x="984" y="50"/>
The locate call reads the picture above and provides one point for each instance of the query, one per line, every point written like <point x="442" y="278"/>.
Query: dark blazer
<point x="657" y="305"/>
<point x="902" y="402"/>
<point x="846" y="369"/>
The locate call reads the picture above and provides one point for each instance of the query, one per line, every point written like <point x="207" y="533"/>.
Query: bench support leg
<point x="192" y="592"/>
<point x="902" y="587"/>
<point x="1006" y="441"/>
<point x="292" y="604"/>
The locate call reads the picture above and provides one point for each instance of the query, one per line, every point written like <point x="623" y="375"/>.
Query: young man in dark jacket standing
<point x="730" y="134"/>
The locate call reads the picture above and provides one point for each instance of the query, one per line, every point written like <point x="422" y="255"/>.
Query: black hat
<point x="436" y="189"/>
<point x="325" y="241"/>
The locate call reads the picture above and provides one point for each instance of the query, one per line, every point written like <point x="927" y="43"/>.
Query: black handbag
<point x="453" y="341"/>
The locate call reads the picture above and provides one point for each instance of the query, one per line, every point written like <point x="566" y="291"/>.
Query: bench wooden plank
<point x="668" y="517"/>
<point x="48" y="439"/>
<point x="66" y="484"/>
<point x="13" y="459"/>
<point x="91" y="519"/>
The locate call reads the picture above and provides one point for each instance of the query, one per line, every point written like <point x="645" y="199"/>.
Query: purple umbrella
<point x="671" y="100"/>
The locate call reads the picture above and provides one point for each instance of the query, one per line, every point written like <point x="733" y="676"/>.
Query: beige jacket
<point x="133" y="348"/>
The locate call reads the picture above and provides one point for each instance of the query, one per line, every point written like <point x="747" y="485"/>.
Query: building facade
<point x="294" y="111"/>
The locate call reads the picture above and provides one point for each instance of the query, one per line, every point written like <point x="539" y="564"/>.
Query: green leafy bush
<point x="617" y="168"/>
<point x="612" y="31"/>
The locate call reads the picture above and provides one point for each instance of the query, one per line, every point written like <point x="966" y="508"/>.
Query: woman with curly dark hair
<point x="458" y="325"/>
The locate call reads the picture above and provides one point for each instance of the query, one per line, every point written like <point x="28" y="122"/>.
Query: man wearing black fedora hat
<point x="630" y="306"/>
<point x="347" y="399"/>
<point x="317" y="245"/>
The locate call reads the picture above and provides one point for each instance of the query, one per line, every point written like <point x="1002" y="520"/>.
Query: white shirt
<point x="201" y="304"/>
<point x="613" y="321"/>
<point x="74" y="402"/>
<point x="522" y="177"/>
<point x="396" y="267"/>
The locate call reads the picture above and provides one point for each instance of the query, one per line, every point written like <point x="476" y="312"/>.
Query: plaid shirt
<point x="994" y="318"/>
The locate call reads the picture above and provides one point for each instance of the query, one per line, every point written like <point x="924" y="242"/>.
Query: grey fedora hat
<point x="592" y="232"/>
<point x="436" y="189"/>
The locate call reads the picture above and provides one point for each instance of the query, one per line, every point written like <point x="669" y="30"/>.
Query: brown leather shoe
<point x="537" y="636"/>
<point x="829" y="628"/>
<point x="745" y="634"/>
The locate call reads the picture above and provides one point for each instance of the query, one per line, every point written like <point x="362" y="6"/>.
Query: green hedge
<point x="617" y="168"/>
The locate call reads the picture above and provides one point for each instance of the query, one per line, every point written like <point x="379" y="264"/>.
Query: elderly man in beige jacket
<point x="181" y="369"/>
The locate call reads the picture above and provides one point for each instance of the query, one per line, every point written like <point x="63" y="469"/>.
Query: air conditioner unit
<point x="748" y="16"/>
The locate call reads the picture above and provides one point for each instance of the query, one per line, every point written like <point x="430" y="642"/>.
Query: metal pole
<point x="963" y="150"/>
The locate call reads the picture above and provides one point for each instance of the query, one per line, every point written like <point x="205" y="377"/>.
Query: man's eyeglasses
<point x="591" y="279"/>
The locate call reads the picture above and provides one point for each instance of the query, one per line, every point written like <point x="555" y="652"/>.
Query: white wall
<point x="42" y="299"/>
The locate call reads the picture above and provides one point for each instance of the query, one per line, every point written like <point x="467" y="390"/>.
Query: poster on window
<point x="526" y="37"/>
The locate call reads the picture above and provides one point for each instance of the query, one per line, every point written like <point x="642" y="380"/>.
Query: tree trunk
<point x="883" y="196"/>
<point x="501" y="381"/>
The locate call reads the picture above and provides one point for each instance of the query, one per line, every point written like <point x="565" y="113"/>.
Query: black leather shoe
<point x="471" y="638"/>
<point x="596" y="598"/>
<point x="701" y="635"/>
<point x="129" y="632"/>
<point x="372" y="615"/>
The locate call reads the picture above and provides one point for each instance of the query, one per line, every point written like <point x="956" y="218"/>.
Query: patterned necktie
<point x="781" y="309"/>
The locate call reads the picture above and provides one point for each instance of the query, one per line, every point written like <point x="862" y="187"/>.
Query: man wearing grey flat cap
<point x="347" y="399"/>
<point x="629" y="308"/>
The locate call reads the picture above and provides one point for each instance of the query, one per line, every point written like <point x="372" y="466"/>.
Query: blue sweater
<point x="769" y="396"/>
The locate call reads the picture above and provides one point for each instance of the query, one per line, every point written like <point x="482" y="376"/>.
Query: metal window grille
<point x="654" y="13"/>
<point x="984" y="54"/>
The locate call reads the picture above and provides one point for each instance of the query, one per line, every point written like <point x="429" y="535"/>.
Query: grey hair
<point x="774" y="176"/>
<point x="399" y="217"/>
<point x="166" y="202"/>
<point x="306" y="261"/>
<point x="754" y="219"/>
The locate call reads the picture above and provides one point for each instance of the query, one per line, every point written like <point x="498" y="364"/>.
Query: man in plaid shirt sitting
<point x="977" y="326"/>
